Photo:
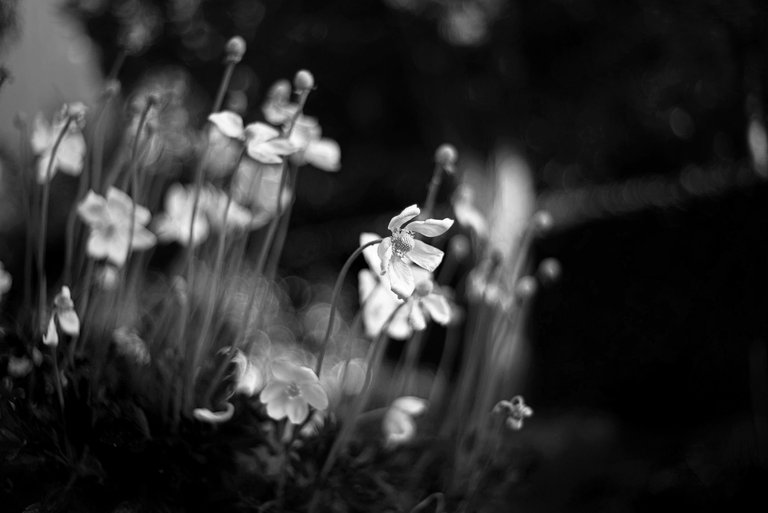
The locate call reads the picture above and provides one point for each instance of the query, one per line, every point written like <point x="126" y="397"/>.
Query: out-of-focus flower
<point x="257" y="186"/>
<point x="467" y="214"/>
<point x="110" y="222"/>
<point x="266" y="144"/>
<point x="292" y="391"/>
<point x="399" y="425"/>
<point x="314" y="424"/>
<point x="278" y="108"/>
<point x="173" y="225"/>
<point x="64" y="310"/>
<point x="19" y="366"/>
<point x="515" y="411"/>
<point x="214" y="202"/>
<point x="323" y="153"/>
<point x="346" y="377"/>
<point x="225" y="142"/>
<point x="250" y="379"/>
<point x="70" y="155"/>
<point x="131" y="346"/>
<point x="107" y="276"/>
<point x="5" y="280"/>
<point x="425" y="304"/>
<point x="214" y="417"/>
<point x="402" y="248"/>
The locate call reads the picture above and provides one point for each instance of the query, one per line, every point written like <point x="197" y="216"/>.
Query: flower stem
<point x="434" y="186"/>
<point x="335" y="300"/>
<point x="42" y="300"/>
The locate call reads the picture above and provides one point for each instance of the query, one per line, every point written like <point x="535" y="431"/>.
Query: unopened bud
<point x="280" y="91"/>
<point x="235" y="49"/>
<point x="526" y="288"/>
<point x="445" y="156"/>
<point x="542" y="222"/>
<point x="549" y="271"/>
<point x="303" y="81"/>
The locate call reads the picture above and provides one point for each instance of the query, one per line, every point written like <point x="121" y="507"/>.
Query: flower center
<point x="293" y="390"/>
<point x="402" y="242"/>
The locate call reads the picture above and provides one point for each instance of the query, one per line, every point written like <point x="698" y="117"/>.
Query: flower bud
<point x="526" y="288"/>
<point x="280" y="91"/>
<point x="549" y="271"/>
<point x="303" y="81"/>
<point x="235" y="49"/>
<point x="445" y="156"/>
<point x="542" y="222"/>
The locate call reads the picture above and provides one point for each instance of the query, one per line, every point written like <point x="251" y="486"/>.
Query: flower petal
<point x="69" y="322"/>
<point x="143" y="238"/>
<point x="371" y="252"/>
<point x="315" y="395"/>
<point x="384" y="252"/>
<point x="297" y="410"/>
<point x="416" y="316"/>
<point x="425" y="256"/>
<point x="400" y="219"/>
<point x="98" y="245"/>
<point x="438" y="308"/>
<point x="229" y="123"/>
<point x="411" y="405"/>
<point x="400" y="328"/>
<point x="398" y="427"/>
<point x="431" y="227"/>
<point x="276" y="408"/>
<point x="401" y="278"/>
<point x="324" y="154"/>
<point x="272" y="391"/>
<point x="289" y="372"/>
<point x="93" y="209"/>
<point x="260" y="132"/>
<point x="51" y="337"/>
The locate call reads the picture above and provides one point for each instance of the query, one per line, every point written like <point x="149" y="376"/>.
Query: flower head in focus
<point x="110" y="220"/>
<point x="323" y="153"/>
<point x="515" y="411"/>
<point x="173" y="225"/>
<point x="292" y="391"/>
<point x="70" y="154"/>
<point x="399" y="425"/>
<point x="403" y="248"/>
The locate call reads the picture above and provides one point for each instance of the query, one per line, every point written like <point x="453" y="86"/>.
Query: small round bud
<point x="280" y="91"/>
<point x="549" y="271"/>
<point x="112" y="88"/>
<point x="423" y="288"/>
<point x="542" y="221"/>
<point x="235" y="49"/>
<point x="526" y="288"/>
<point x="445" y="156"/>
<point x="303" y="81"/>
<point x="459" y="247"/>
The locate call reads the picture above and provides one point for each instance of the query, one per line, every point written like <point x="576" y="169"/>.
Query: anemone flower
<point x="399" y="425"/>
<point x="173" y="225"/>
<point x="292" y="391"/>
<point x="402" y="248"/>
<point x="110" y="220"/>
<point x="70" y="155"/>
<point x="311" y="148"/>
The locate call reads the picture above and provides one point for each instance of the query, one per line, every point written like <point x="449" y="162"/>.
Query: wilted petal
<point x="425" y="256"/>
<point x="400" y="219"/>
<point x="297" y="410"/>
<point x="229" y="123"/>
<point x="401" y="278"/>
<point x="438" y="308"/>
<point x="431" y="227"/>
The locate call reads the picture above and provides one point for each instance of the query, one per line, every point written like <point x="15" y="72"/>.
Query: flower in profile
<point x="5" y="280"/>
<point x="70" y="154"/>
<point x="292" y="391"/>
<point x="399" y="425"/>
<point x="403" y="248"/>
<point x="249" y="377"/>
<point x="111" y="220"/>
<point x="323" y="153"/>
<point x="426" y="304"/>
<point x="515" y="411"/>
<point x="257" y="187"/>
<point x="174" y="224"/>
<point x="214" y="417"/>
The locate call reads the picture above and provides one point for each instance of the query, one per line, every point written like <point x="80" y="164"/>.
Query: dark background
<point x="649" y="373"/>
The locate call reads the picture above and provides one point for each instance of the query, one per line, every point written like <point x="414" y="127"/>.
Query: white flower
<point x="213" y="202"/>
<point x="173" y="225"/>
<point x="225" y="142"/>
<point x="70" y="155"/>
<point x="515" y="411"/>
<point x="398" y="424"/>
<point x="323" y="153"/>
<point x="64" y="313"/>
<point x="425" y="304"/>
<point x="110" y="222"/>
<point x="278" y="108"/>
<point x="256" y="186"/>
<point x="467" y="214"/>
<point x="292" y="391"/>
<point x="266" y="144"/>
<point x="402" y="248"/>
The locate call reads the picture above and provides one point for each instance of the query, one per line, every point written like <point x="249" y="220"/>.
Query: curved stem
<point x="335" y="299"/>
<point x="42" y="301"/>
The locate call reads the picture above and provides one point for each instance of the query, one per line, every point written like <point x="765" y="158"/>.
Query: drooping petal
<point x="314" y="395"/>
<point x="229" y="123"/>
<point x="425" y="256"/>
<point x="416" y="316"/>
<point x="401" y="278"/>
<point x="438" y="308"/>
<point x="411" y="404"/>
<point x="287" y="371"/>
<point x="400" y="219"/>
<point x="431" y="227"/>
<point x="384" y="252"/>
<point x="324" y="154"/>
<point x="297" y="410"/>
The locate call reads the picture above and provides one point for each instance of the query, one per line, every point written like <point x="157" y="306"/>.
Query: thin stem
<point x="42" y="300"/>
<point x="434" y="186"/>
<point x="335" y="299"/>
<point x="223" y="86"/>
